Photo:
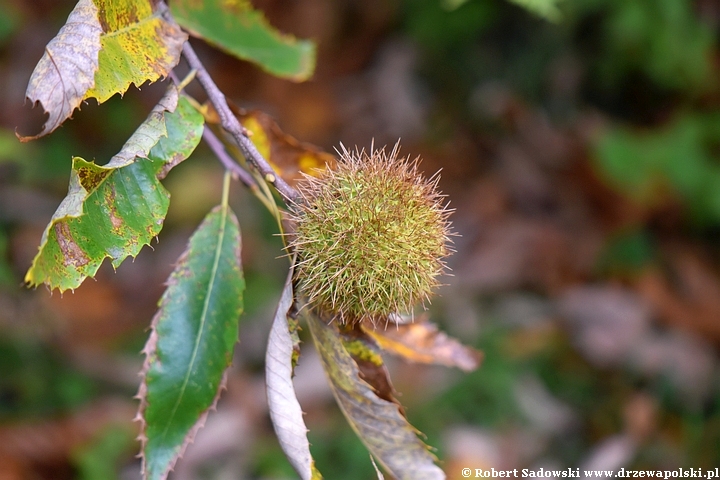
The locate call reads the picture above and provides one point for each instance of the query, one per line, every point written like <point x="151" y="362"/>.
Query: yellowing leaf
<point x="116" y="209"/>
<point x="422" y="342"/>
<point x="66" y="70"/>
<point x="287" y="156"/>
<point x="138" y="45"/>
<point x="104" y="46"/>
<point x="379" y="422"/>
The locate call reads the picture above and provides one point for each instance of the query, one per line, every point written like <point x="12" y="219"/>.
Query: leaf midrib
<point x="203" y="319"/>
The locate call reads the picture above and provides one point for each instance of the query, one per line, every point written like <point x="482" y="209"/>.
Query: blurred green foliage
<point x="36" y="381"/>
<point x="339" y="453"/>
<point x="648" y="63"/>
<point x="626" y="254"/>
<point x="663" y="39"/>
<point x="101" y="457"/>
<point x="547" y="9"/>
<point x="676" y="160"/>
<point x="9" y="22"/>
<point x="6" y="275"/>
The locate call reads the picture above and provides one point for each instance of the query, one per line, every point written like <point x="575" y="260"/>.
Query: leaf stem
<point x="231" y="124"/>
<point x="185" y="81"/>
<point x="230" y="165"/>
<point x="226" y="189"/>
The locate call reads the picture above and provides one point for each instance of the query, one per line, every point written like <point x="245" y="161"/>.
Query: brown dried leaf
<point x="366" y="353"/>
<point x="379" y="423"/>
<point x="67" y="69"/>
<point x="285" y="411"/>
<point x="422" y="342"/>
<point x="289" y="157"/>
<point x="692" y="301"/>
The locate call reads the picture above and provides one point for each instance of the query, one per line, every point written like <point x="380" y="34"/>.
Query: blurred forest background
<point x="582" y="158"/>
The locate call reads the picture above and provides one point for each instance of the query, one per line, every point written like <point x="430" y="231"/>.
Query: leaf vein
<point x="203" y="318"/>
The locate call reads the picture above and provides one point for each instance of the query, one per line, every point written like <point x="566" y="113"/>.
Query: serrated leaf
<point x="67" y="69"/>
<point x="285" y="411"/>
<point x="104" y="46"/>
<point x="379" y="422"/>
<point x="138" y="45"/>
<point x="546" y="9"/>
<point x="422" y="342"/>
<point x="192" y="340"/>
<point x="114" y="210"/>
<point x="234" y="26"/>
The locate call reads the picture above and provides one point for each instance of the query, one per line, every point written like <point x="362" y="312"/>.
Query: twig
<point x="219" y="150"/>
<point x="231" y="124"/>
<point x="216" y="145"/>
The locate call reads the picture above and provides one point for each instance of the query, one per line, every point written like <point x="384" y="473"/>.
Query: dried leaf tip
<point x="371" y="236"/>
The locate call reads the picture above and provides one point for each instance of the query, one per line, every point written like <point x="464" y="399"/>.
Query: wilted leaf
<point x="287" y="156"/>
<point x="67" y="69"/>
<point x="234" y="26"/>
<point x="546" y="9"/>
<point x="379" y="423"/>
<point x="192" y="340"/>
<point x="138" y="45"/>
<point x="366" y="353"/>
<point x="104" y="46"/>
<point x="285" y="411"/>
<point x="422" y="342"/>
<point x="114" y="210"/>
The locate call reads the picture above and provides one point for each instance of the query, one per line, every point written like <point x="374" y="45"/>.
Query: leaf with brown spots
<point x="138" y="45"/>
<point x="356" y="374"/>
<point x="104" y="46"/>
<point x="114" y="210"/>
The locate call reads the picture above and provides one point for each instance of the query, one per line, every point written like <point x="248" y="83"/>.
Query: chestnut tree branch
<point x="231" y="124"/>
<point x="219" y="150"/>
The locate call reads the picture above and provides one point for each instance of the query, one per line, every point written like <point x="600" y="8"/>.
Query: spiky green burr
<point x="370" y="237"/>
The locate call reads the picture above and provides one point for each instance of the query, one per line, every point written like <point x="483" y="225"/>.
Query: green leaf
<point x="66" y="70"/>
<point x="285" y="411"/>
<point x="546" y="9"/>
<point x="192" y="339"/>
<point x="138" y="45"/>
<point x="114" y="210"/>
<point x="379" y="422"/>
<point x="234" y="26"/>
